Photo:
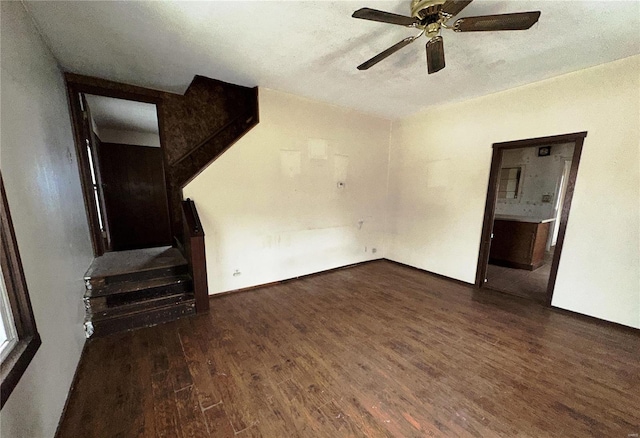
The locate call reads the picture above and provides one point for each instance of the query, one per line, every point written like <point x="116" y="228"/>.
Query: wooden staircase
<point x="139" y="288"/>
<point x="123" y="293"/>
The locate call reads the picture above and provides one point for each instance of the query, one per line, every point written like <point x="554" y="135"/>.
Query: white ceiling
<point x="312" y="48"/>
<point x="123" y="115"/>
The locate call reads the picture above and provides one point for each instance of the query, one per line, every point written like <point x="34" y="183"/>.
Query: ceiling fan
<point x="432" y="15"/>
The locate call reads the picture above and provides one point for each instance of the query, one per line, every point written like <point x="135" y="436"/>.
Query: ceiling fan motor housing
<point x="428" y="11"/>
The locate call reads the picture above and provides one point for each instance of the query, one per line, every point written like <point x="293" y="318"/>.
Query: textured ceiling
<point x="126" y="115"/>
<point x="312" y="48"/>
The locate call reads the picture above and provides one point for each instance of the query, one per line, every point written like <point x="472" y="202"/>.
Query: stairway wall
<point x="271" y="206"/>
<point x="198" y="127"/>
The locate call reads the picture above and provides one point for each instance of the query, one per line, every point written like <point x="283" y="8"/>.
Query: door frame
<point x="577" y="138"/>
<point x="77" y="85"/>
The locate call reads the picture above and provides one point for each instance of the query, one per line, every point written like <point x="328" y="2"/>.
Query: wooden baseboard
<point x="443" y="277"/>
<point x="592" y="319"/>
<point x="74" y="381"/>
<point x="273" y="283"/>
<point x="598" y="321"/>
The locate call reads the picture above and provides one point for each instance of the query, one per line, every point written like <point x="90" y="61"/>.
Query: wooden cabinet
<point x="519" y="243"/>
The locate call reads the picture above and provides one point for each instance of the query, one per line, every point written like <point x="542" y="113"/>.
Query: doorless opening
<point x="529" y="196"/>
<point x="121" y="166"/>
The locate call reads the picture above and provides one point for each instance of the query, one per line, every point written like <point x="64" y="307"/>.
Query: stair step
<point x="178" y="282"/>
<point x="136" y="306"/>
<point x="139" y="318"/>
<point x="139" y="264"/>
<point x="139" y="288"/>
<point x="150" y="274"/>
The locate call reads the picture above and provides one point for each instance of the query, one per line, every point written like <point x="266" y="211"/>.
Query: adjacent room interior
<point x="534" y="189"/>
<point x="222" y="226"/>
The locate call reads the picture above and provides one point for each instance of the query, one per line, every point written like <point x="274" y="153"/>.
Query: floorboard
<point x="376" y="350"/>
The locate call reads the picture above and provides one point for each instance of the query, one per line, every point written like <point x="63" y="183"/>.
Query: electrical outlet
<point x="373" y="250"/>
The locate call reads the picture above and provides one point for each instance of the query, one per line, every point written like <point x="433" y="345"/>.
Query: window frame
<point x="8" y="325"/>
<point x="28" y="339"/>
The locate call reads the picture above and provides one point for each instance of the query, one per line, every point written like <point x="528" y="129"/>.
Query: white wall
<point x="43" y="188"/>
<point x="137" y="138"/>
<point x="540" y="176"/>
<point x="439" y="170"/>
<point x="270" y="206"/>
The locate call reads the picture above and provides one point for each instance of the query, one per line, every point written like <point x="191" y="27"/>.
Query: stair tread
<point x="135" y="320"/>
<point x="138" y="260"/>
<point x="135" y="285"/>
<point x="186" y="303"/>
<point x="144" y="306"/>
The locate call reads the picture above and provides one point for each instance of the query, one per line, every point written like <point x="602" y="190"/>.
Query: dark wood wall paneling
<point x="134" y="196"/>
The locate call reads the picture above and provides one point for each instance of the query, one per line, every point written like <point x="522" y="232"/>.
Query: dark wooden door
<point x="135" y="196"/>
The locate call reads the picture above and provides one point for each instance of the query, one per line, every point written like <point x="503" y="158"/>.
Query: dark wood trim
<point x="79" y="84"/>
<point x="600" y="322"/>
<point x="586" y="318"/>
<point x="104" y="87"/>
<point x="74" y="383"/>
<point x="564" y="217"/>
<point x="15" y="364"/>
<point x="300" y="277"/>
<point x="176" y="176"/>
<point x="487" y="224"/>
<point x="440" y="276"/>
<point x="541" y="141"/>
<point x="352" y="265"/>
<point x="195" y="254"/>
<point x="489" y="212"/>
<point x="91" y="209"/>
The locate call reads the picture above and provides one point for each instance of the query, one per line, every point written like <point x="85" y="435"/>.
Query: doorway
<point x="528" y="201"/>
<point x="122" y="169"/>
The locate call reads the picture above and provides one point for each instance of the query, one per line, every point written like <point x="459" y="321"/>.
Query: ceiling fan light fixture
<point x="432" y="30"/>
<point x="432" y="15"/>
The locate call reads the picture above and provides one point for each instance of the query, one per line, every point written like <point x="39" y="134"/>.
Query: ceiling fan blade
<point x="453" y="7"/>
<point x="435" y="55"/>
<point x="382" y="55"/>
<point x="384" y="17"/>
<point x="517" y="21"/>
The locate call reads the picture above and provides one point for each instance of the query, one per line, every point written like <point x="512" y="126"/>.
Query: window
<point x="8" y="337"/>
<point x="509" y="182"/>
<point x="19" y="337"/>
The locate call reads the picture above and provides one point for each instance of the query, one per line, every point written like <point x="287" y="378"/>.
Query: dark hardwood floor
<point x="520" y="282"/>
<point x="376" y="350"/>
